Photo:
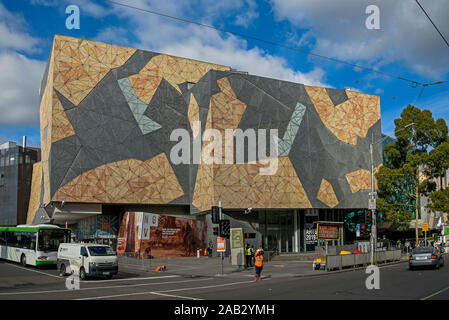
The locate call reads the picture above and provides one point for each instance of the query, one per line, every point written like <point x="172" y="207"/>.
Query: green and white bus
<point x="32" y="244"/>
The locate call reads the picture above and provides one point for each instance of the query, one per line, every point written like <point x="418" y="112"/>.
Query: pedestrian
<point x="247" y="256"/>
<point x="209" y="250"/>
<point x="252" y="256"/>
<point x="259" y="263"/>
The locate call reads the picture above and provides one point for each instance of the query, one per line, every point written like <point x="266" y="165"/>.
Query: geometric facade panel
<point x="107" y="114"/>
<point x="137" y="108"/>
<point x="81" y="64"/>
<point x="349" y="119"/>
<point x="129" y="181"/>
<point x="286" y="142"/>
<point x="359" y="180"/>
<point x="326" y="194"/>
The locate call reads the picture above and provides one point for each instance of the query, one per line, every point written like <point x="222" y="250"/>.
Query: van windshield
<point x="101" y="251"/>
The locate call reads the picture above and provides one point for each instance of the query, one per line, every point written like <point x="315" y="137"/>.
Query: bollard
<point x="198" y="253"/>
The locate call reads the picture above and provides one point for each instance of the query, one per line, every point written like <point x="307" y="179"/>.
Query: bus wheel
<point x="23" y="260"/>
<point x="62" y="271"/>
<point x="83" y="274"/>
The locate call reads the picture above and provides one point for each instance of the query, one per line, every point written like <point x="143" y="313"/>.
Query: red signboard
<point x="221" y="244"/>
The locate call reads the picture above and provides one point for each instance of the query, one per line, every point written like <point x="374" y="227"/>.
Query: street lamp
<point x="373" y="194"/>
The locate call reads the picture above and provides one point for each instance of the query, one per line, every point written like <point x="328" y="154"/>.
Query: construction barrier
<point x="361" y="259"/>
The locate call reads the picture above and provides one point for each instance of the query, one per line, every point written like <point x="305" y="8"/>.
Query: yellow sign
<point x="425" y="226"/>
<point x="328" y="231"/>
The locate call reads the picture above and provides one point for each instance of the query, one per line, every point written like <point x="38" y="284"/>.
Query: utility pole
<point x="373" y="210"/>
<point x="417" y="207"/>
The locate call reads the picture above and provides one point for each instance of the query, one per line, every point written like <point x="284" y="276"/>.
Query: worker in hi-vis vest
<point x="258" y="256"/>
<point x="248" y="256"/>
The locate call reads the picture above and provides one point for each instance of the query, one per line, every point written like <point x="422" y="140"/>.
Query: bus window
<point x="49" y="239"/>
<point x="2" y="238"/>
<point x="26" y="239"/>
<point x="11" y="239"/>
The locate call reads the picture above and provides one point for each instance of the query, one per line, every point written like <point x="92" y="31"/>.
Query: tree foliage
<point x="423" y="145"/>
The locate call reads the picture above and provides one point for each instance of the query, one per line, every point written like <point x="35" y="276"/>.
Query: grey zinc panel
<point x="134" y="64"/>
<point x="44" y="79"/>
<point x="337" y="95"/>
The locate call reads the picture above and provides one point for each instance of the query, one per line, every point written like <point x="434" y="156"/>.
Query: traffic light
<point x="362" y="228"/>
<point x="368" y="218"/>
<point x="225" y="228"/>
<point x="215" y="211"/>
<point x="215" y="231"/>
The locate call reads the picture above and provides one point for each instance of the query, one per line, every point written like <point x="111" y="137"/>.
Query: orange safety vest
<point x="258" y="259"/>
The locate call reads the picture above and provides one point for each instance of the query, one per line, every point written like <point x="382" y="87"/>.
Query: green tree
<point x="421" y="145"/>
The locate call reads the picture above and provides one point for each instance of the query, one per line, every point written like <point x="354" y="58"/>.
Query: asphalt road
<point x="396" y="283"/>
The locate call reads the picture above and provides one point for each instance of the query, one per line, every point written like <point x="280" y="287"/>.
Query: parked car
<point x="87" y="260"/>
<point x="425" y="257"/>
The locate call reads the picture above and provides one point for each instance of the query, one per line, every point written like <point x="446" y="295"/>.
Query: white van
<point x="87" y="259"/>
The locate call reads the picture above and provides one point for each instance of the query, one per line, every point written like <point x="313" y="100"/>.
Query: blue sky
<point x="406" y="45"/>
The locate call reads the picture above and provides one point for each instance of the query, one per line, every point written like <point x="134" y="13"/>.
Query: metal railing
<point x="136" y="259"/>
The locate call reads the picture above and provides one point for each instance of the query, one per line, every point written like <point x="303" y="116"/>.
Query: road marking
<point x="164" y="291"/>
<point x="173" y="296"/>
<point x="206" y="287"/>
<point x="98" y="288"/>
<point x="47" y="274"/>
<point x="139" y="294"/>
<point x="130" y="279"/>
<point x="434" y="294"/>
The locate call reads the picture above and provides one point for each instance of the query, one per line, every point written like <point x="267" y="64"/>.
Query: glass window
<point x="2" y="238"/>
<point x="101" y="251"/>
<point x="83" y="251"/>
<point x="11" y="240"/>
<point x="423" y="250"/>
<point x="49" y="239"/>
<point x="26" y="240"/>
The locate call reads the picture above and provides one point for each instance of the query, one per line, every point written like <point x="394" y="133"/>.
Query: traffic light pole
<point x="220" y="214"/>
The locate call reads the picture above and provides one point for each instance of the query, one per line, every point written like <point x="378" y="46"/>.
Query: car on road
<point x="425" y="257"/>
<point x="87" y="260"/>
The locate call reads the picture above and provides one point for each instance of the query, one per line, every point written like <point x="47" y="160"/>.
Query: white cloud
<point x="248" y="14"/>
<point x="337" y="28"/>
<point x="20" y="76"/>
<point x="186" y="40"/>
<point x="13" y="34"/>
<point x="20" y="80"/>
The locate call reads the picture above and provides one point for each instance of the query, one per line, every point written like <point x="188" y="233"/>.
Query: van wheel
<point x="83" y="275"/>
<point x="23" y="260"/>
<point x="62" y="270"/>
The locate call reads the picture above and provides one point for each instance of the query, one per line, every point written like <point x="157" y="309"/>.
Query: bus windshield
<point x="101" y="251"/>
<point x="49" y="239"/>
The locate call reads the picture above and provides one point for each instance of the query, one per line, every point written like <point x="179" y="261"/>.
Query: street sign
<point x="425" y="226"/>
<point x="327" y="231"/>
<point x="372" y="204"/>
<point x="221" y="244"/>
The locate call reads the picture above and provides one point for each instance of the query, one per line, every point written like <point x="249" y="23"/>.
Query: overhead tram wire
<point x="436" y="28"/>
<point x="413" y="82"/>
<point x="424" y="86"/>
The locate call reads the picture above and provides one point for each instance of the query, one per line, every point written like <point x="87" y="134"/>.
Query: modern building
<point x="16" y="165"/>
<point x="125" y="130"/>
